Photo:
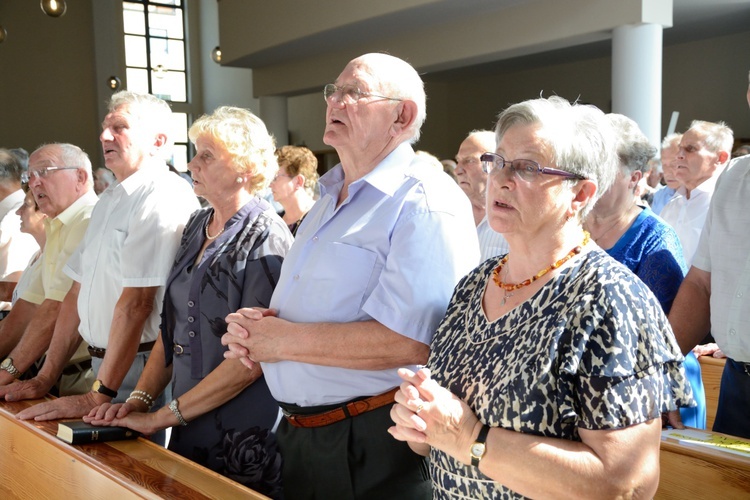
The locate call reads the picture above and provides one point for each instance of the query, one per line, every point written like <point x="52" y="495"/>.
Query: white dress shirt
<point x="687" y="216"/>
<point x="131" y="241"/>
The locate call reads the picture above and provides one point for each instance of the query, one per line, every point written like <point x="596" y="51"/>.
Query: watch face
<point x="6" y="363"/>
<point x="96" y="385"/>
<point x="477" y="450"/>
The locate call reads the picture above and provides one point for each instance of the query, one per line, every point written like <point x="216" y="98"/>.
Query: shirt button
<point x="296" y="277"/>
<point x="315" y="238"/>
<point x="732" y="331"/>
<point x="739" y="294"/>
<point x="190" y="319"/>
<point x="191" y="303"/>
<point x="191" y="334"/>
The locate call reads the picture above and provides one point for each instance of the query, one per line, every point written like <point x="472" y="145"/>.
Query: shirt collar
<point x="386" y="177"/>
<point x="67" y="215"/>
<point x="149" y="170"/>
<point x="707" y="186"/>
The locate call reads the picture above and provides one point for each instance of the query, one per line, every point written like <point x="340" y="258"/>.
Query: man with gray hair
<point x="121" y="266"/>
<point x="705" y="149"/>
<point x="670" y="146"/>
<point x="15" y="247"/>
<point x="473" y="181"/>
<point x="714" y="295"/>
<point x="59" y="177"/>
<point x="361" y="292"/>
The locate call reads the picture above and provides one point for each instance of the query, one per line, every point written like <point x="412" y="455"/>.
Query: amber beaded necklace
<point x="510" y="287"/>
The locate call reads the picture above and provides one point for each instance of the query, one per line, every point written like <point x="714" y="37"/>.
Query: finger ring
<point x="419" y="408"/>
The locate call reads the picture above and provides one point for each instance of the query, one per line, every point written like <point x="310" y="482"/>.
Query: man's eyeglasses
<point x="42" y="173"/>
<point x="349" y="94"/>
<point x="528" y="170"/>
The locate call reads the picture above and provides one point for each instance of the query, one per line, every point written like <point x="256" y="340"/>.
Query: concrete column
<point x="273" y="111"/>
<point x="637" y="76"/>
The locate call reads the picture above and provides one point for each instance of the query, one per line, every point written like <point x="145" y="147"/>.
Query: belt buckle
<point x="178" y="349"/>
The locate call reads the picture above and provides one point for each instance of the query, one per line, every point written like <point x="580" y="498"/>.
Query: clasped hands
<point x="253" y="335"/>
<point x="427" y="414"/>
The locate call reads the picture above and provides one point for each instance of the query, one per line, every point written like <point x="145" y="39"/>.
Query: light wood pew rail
<point x="35" y="464"/>
<point x="711" y="370"/>
<point x="696" y="472"/>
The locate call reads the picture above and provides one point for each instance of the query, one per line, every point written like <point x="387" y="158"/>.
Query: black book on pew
<point x="79" y="432"/>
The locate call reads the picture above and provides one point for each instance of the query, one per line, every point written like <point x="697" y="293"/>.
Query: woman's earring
<point x="239" y="180"/>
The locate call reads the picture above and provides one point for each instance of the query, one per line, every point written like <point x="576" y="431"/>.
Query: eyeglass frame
<point x="358" y="92"/>
<point x="489" y="157"/>
<point x="37" y="174"/>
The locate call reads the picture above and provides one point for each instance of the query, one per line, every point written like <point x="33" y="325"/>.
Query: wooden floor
<point x="34" y="464"/>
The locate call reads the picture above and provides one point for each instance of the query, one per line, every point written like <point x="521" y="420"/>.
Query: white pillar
<point x="637" y="76"/>
<point x="273" y="112"/>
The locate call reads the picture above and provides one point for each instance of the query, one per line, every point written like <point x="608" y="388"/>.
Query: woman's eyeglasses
<point x="527" y="170"/>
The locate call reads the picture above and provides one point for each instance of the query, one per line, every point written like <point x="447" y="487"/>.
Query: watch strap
<point x="481" y="439"/>
<point x="103" y="389"/>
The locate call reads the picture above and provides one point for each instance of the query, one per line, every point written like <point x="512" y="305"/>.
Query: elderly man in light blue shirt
<point x="361" y="292"/>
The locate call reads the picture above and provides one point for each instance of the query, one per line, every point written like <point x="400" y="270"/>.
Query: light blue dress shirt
<point x="392" y="251"/>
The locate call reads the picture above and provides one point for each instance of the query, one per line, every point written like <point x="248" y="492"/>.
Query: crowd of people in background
<point x="518" y="320"/>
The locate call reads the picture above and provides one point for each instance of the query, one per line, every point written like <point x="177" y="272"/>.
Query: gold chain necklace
<point x="510" y="287"/>
<point x="208" y="223"/>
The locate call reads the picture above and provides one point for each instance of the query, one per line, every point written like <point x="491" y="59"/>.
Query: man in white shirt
<point x="15" y="247"/>
<point x="703" y="154"/>
<point x="121" y="266"/>
<point x="670" y="146"/>
<point x="473" y="181"/>
<point x="715" y="294"/>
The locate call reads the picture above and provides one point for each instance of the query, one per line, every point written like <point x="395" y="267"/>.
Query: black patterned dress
<point x="238" y="269"/>
<point x="592" y="349"/>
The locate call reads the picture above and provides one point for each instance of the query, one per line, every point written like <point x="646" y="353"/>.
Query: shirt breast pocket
<point x="342" y="286"/>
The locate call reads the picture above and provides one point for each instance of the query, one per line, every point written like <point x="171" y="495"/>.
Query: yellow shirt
<point x="64" y="233"/>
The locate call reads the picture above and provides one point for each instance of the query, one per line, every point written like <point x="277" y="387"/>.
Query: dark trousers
<point x="355" y="458"/>
<point x="732" y="415"/>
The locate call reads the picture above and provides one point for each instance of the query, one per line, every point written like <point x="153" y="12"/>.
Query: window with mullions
<point x="155" y="59"/>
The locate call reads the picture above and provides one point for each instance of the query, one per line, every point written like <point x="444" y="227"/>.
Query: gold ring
<point x="419" y="408"/>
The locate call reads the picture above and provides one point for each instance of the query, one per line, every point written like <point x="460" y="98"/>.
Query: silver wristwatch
<point x="7" y="365"/>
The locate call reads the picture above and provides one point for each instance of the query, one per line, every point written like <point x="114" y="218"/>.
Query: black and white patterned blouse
<point x="591" y="349"/>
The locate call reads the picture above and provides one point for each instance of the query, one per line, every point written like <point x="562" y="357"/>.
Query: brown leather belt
<point x="99" y="352"/>
<point x="342" y="413"/>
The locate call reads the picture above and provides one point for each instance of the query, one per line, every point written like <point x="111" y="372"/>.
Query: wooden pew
<point x="35" y="464"/>
<point x="711" y="370"/>
<point x="699" y="472"/>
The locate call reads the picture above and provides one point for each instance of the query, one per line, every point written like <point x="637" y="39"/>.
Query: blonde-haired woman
<point x="230" y="257"/>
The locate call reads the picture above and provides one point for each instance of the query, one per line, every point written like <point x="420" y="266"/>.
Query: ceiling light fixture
<point x="53" y="8"/>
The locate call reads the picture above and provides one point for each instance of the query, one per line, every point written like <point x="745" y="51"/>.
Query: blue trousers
<point x="732" y="415"/>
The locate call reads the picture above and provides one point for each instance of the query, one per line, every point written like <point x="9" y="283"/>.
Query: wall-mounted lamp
<point x="3" y="34"/>
<point x="53" y="8"/>
<point x="216" y="55"/>
<point x="114" y="83"/>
